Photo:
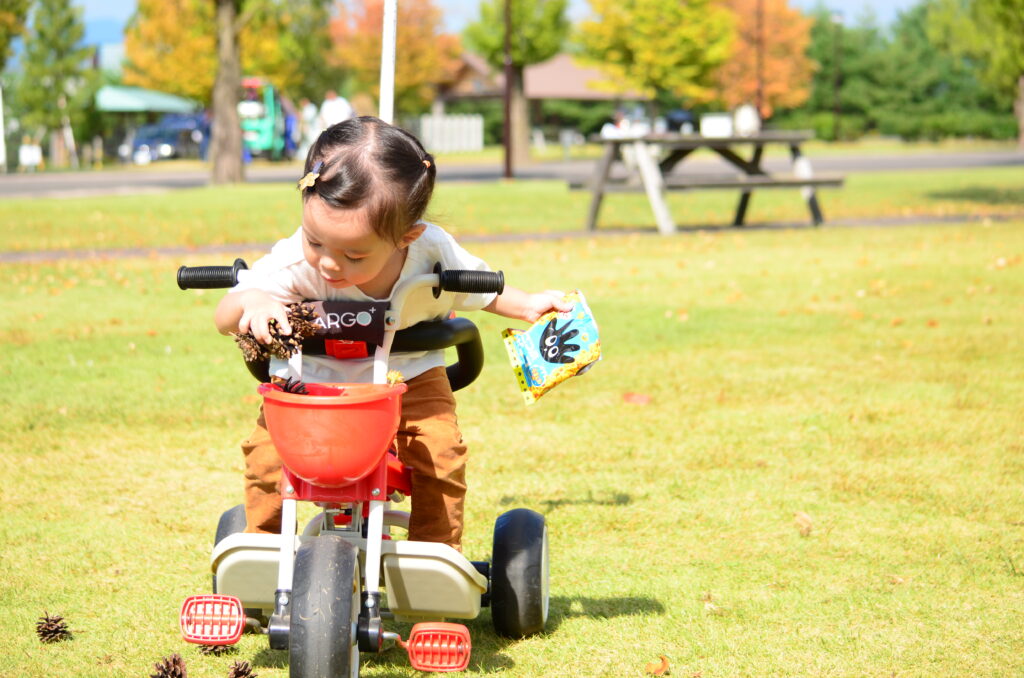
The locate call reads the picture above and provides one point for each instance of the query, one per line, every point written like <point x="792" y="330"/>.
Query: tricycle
<point x="325" y="594"/>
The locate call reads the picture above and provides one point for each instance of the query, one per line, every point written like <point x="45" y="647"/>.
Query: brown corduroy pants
<point x="428" y="440"/>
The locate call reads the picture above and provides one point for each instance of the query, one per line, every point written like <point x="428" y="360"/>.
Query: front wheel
<point x="519" y="574"/>
<point x="325" y="610"/>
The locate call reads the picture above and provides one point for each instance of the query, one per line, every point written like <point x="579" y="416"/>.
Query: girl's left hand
<point x="539" y="303"/>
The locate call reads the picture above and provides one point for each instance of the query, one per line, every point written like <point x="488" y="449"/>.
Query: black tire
<point x="519" y="574"/>
<point x="232" y="522"/>
<point x="325" y="610"/>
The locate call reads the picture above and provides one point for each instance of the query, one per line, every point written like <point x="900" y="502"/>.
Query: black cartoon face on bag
<point x="553" y="343"/>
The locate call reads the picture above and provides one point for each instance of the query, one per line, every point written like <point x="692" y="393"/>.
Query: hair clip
<point x="426" y="163"/>
<point x="311" y="176"/>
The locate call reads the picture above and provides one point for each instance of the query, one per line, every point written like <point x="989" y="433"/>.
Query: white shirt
<point x="334" y="111"/>
<point x="286" y="276"/>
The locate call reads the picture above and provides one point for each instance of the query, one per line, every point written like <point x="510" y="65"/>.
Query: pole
<point x="508" y="89"/>
<point x="760" y="59"/>
<point x="3" y="134"/>
<point x="387" y="61"/>
<point x="837" y="20"/>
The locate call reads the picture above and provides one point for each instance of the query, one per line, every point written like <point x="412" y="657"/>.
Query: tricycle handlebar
<point x="210" y="277"/>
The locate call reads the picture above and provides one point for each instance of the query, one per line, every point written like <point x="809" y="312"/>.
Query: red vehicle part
<point x="438" y="646"/>
<point x="212" y="619"/>
<point x="336" y="434"/>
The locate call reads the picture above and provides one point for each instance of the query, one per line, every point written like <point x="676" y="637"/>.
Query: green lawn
<point x="262" y="213"/>
<point x="870" y="378"/>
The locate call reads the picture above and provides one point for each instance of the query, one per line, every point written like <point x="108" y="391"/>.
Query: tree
<point x="170" y="46"/>
<point x="660" y="46"/>
<point x="54" y="81"/>
<point x="539" y="30"/>
<point x="12" y="25"/>
<point x="769" y="66"/>
<point x="991" y="31"/>
<point x="424" y="58"/>
<point x="931" y="92"/>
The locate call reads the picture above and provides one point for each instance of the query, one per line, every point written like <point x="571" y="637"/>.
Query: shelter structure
<point x="120" y="99"/>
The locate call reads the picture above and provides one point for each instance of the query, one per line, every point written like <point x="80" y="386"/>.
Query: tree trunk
<point x="520" y="119"/>
<point x="1019" y="105"/>
<point x="226" y="132"/>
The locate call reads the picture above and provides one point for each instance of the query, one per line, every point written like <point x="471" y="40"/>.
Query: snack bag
<point x="556" y="347"/>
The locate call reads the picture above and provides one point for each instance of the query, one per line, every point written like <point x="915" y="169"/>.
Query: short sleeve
<point x="276" y="272"/>
<point x="454" y="256"/>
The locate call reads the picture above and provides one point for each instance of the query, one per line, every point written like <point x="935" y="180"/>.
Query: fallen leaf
<point x="896" y="322"/>
<point x="804" y="523"/>
<point x="933" y="323"/>
<point x="658" y="668"/>
<point x="636" y="398"/>
<point x="896" y="580"/>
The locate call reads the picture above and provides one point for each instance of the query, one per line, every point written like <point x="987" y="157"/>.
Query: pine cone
<point x="170" y="667"/>
<point x="300" y="316"/>
<point x="241" y="670"/>
<point x="52" y="629"/>
<point x="216" y="650"/>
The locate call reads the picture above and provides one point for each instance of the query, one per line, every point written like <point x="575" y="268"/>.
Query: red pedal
<point x="438" y="646"/>
<point x="212" y="619"/>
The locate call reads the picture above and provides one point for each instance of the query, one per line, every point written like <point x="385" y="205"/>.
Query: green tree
<point x="12" y="25"/>
<point x="847" y="87"/>
<point x="539" y="30"/>
<point x="992" y="32"/>
<point x="660" y="47"/>
<point x="54" y="88"/>
<point x="929" y="91"/>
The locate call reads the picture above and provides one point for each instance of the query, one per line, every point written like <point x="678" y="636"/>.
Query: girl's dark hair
<point x="372" y="165"/>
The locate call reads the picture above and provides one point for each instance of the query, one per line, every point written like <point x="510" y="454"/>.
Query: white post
<point x="387" y="61"/>
<point x="3" y="134"/>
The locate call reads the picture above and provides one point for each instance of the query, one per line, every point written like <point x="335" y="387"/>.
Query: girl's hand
<point x="539" y="303"/>
<point x="258" y="309"/>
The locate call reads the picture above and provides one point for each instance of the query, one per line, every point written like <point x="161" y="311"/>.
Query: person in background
<point x="334" y="109"/>
<point x="309" y="127"/>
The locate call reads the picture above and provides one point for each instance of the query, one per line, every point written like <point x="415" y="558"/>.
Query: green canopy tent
<point x="118" y="99"/>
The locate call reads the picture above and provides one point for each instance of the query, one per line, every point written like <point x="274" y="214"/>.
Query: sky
<point x="105" y="19"/>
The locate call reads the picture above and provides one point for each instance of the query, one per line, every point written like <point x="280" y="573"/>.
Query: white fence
<point x="447" y="133"/>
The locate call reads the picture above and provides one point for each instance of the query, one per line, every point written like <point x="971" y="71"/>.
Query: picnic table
<point x="655" y="177"/>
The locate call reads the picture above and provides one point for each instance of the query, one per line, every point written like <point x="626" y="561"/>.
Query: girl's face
<point x="344" y="249"/>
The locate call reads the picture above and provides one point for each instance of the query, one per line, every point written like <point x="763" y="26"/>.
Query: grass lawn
<point x="825" y="479"/>
<point x="262" y="213"/>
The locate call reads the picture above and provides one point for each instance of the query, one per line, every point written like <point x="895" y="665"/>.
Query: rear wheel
<point x="325" y="610"/>
<point x="232" y="522"/>
<point x="519" y="574"/>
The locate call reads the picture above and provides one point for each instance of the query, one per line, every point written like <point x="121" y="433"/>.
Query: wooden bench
<point x="655" y="178"/>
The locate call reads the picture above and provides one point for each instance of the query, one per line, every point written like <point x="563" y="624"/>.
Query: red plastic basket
<point x="439" y="646"/>
<point x="336" y="434"/>
<point x="212" y="619"/>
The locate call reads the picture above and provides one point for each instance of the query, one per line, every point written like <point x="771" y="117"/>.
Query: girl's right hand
<point x="258" y="309"/>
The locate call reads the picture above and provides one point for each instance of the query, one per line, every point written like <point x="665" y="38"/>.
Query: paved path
<point x="156" y="179"/>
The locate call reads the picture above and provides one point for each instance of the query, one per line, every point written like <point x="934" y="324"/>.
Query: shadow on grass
<point x="488" y="648"/>
<point x="563" y="607"/>
<point x="616" y="499"/>
<point x="982" y="194"/>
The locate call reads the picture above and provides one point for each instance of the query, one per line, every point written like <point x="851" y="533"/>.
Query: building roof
<point x="561" y="77"/>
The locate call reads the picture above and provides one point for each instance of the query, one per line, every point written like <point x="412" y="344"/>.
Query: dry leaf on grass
<point x="636" y="398"/>
<point x="804" y="523"/>
<point x="658" y="668"/>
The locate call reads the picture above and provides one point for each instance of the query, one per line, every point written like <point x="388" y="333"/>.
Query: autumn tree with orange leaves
<point x="768" y="66"/>
<point x="425" y="57"/>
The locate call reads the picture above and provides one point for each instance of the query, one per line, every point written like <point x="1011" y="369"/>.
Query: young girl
<point x="365" y="189"/>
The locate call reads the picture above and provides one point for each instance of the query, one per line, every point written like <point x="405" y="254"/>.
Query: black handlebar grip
<point x="210" y="277"/>
<point x="469" y="282"/>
